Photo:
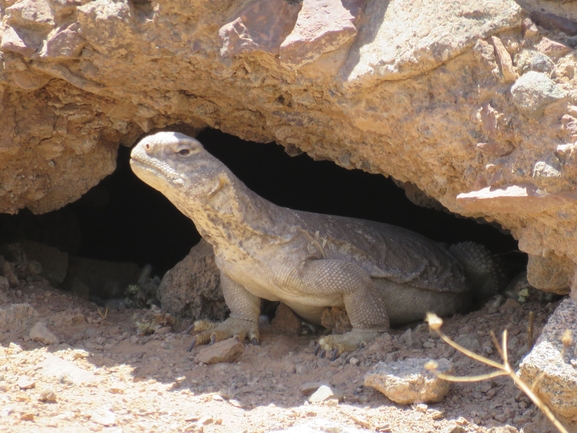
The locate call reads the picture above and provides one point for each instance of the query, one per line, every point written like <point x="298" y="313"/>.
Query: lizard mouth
<point x="148" y="171"/>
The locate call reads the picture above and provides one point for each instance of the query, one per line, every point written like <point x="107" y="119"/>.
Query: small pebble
<point x="26" y="382"/>
<point x="47" y="396"/>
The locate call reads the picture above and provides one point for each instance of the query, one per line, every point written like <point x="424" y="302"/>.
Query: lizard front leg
<point x="242" y="322"/>
<point x="364" y="304"/>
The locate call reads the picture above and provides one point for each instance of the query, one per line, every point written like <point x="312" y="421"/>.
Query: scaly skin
<point x="380" y="274"/>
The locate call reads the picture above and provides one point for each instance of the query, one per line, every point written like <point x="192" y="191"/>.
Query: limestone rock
<point x="554" y="364"/>
<point x="223" y="351"/>
<point x="407" y="381"/>
<point x="192" y="287"/>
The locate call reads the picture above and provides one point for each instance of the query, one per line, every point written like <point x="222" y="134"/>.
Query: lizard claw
<point x="317" y="349"/>
<point x="254" y="341"/>
<point x="190" y="328"/>
<point x="334" y="354"/>
<point x="212" y="339"/>
<point x="192" y="344"/>
<point x="322" y="353"/>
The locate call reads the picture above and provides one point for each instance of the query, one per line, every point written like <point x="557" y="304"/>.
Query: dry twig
<point x="503" y="369"/>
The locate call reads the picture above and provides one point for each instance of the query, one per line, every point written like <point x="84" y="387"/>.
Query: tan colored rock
<point x="534" y="91"/>
<point x="55" y="367"/>
<point x="223" y="351"/>
<point x="550" y="361"/>
<point x="407" y="381"/>
<point x="321" y="26"/>
<point x="336" y="320"/>
<point x="16" y="320"/>
<point x="192" y="287"/>
<point x="404" y="39"/>
<point x="505" y="62"/>
<point x="66" y="42"/>
<point x="286" y="321"/>
<point x="42" y="334"/>
<point x="324" y="393"/>
<point x="550" y="273"/>
<point x="552" y="48"/>
<point x="261" y="26"/>
<point x="12" y="41"/>
<point x="515" y="199"/>
<point x="495" y="148"/>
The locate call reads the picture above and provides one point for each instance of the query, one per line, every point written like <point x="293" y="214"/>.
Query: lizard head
<point x="177" y="165"/>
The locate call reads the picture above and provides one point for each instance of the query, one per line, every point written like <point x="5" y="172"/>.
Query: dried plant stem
<point x="503" y="369"/>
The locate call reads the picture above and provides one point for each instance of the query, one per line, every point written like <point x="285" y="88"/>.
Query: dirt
<point x="105" y="376"/>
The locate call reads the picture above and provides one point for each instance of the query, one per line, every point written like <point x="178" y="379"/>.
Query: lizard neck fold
<point x="232" y="216"/>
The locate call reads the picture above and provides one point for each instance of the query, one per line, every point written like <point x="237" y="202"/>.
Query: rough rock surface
<point x="408" y="382"/>
<point x="223" y="351"/>
<point x="192" y="287"/>
<point x="452" y="97"/>
<point x="16" y="319"/>
<point x="555" y="363"/>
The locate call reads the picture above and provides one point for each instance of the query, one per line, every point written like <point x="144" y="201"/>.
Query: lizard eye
<point x="185" y="150"/>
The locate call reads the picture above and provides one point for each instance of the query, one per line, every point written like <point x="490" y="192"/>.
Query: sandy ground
<point x="104" y="376"/>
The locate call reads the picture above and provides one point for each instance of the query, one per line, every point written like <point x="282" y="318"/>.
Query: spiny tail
<point x="481" y="269"/>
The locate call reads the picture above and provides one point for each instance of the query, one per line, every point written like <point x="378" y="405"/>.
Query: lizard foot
<point x="339" y="343"/>
<point x="210" y="332"/>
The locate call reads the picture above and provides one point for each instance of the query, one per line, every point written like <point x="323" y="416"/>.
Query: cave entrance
<point x="124" y="220"/>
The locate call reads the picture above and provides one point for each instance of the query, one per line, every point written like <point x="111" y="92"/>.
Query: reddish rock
<point x="322" y="26"/>
<point x="507" y="70"/>
<point x="285" y="321"/>
<point x="65" y="43"/>
<point x="12" y="41"/>
<point x="262" y="26"/>
<point x="223" y="351"/>
<point x="496" y="148"/>
<point x="552" y="48"/>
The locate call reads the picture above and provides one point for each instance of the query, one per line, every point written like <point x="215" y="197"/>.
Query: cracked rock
<point x="407" y="381"/>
